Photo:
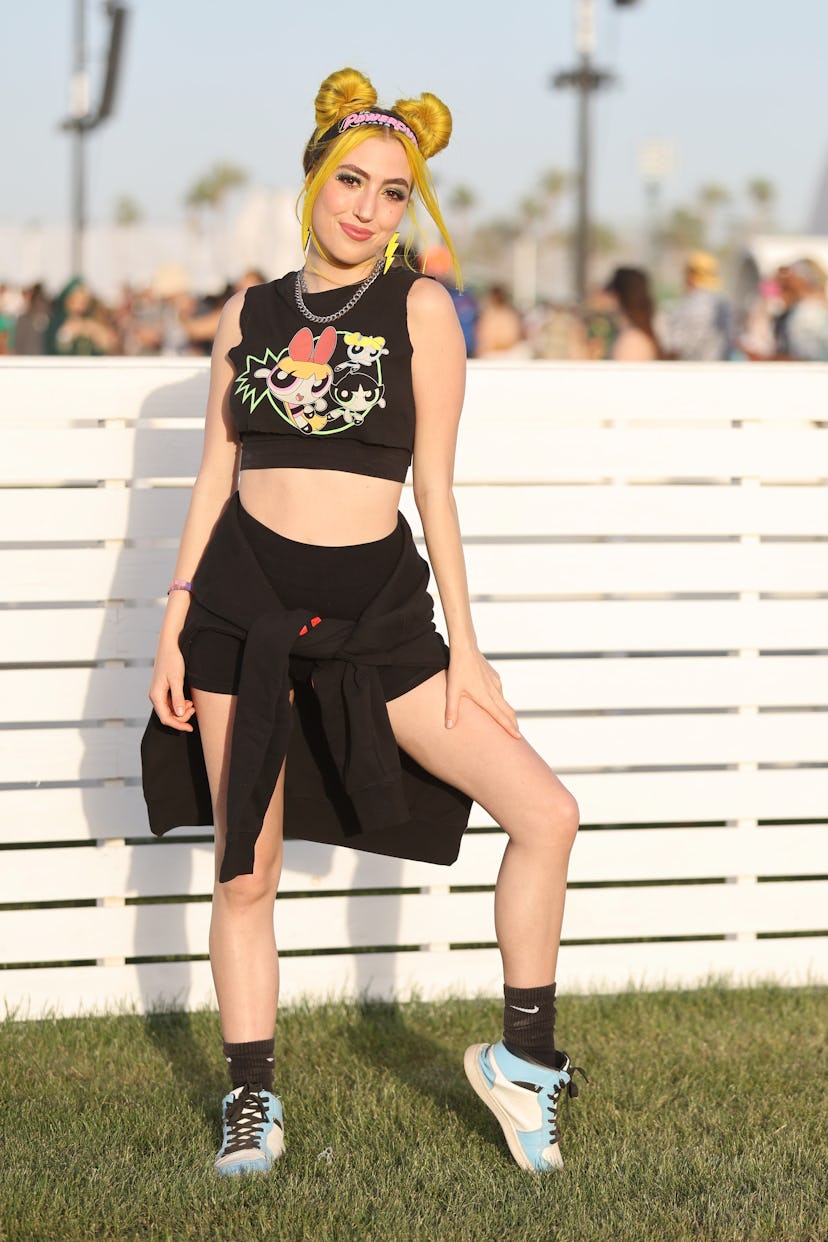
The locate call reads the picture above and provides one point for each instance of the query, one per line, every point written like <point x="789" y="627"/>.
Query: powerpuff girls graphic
<point x="320" y="385"/>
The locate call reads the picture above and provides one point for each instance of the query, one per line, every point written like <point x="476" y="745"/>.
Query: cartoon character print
<point x="301" y="378"/>
<point x="355" y="395"/>
<point x="309" y="388"/>
<point x="362" y="351"/>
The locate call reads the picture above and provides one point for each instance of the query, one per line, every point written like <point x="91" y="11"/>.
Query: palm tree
<point x="711" y="198"/>
<point x="762" y="194"/>
<point x="209" y="193"/>
<point x="683" y="230"/>
<point x="127" y="214"/>
<point x="462" y="202"/>
<point x="552" y="185"/>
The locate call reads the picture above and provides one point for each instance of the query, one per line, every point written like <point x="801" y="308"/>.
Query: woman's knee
<point x="244" y="892"/>
<point x="552" y="825"/>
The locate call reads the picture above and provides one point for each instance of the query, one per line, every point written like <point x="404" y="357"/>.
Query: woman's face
<point x="361" y="204"/>
<point x="78" y="301"/>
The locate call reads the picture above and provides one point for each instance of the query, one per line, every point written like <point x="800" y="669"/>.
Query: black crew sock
<point x="529" y="1024"/>
<point x="250" y="1063"/>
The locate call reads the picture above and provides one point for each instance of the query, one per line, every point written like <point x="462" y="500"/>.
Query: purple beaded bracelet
<point x="179" y="584"/>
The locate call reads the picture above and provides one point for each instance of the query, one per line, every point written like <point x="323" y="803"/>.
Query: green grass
<point x="704" y="1120"/>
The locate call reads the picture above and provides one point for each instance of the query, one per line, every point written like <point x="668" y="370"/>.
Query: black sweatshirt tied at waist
<point x="343" y="745"/>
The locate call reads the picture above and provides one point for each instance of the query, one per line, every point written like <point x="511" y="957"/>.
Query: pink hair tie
<point x="179" y="584"/>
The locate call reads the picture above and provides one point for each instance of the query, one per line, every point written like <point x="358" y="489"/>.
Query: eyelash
<point x="349" y="179"/>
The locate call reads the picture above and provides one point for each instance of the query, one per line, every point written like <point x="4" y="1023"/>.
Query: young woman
<point x="298" y="592"/>
<point x="636" y="340"/>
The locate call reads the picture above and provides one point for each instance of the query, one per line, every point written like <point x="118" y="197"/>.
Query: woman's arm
<point x="439" y="373"/>
<point x="214" y="485"/>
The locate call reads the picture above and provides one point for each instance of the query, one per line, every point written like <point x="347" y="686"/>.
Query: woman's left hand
<point x="471" y="676"/>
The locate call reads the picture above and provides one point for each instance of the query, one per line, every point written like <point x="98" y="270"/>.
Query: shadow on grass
<point x="178" y="1039"/>
<point x="383" y="1037"/>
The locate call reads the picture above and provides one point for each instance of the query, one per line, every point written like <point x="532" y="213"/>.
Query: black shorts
<point x="329" y="581"/>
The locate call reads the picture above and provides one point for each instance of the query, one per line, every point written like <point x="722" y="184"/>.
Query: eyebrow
<point x="389" y="180"/>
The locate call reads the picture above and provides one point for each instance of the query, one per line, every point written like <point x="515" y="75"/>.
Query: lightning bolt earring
<point x="390" y="251"/>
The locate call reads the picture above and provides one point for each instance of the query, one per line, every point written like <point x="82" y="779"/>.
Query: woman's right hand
<point x="166" y="691"/>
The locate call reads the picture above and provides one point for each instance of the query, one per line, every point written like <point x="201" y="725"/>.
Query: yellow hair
<point x="348" y="91"/>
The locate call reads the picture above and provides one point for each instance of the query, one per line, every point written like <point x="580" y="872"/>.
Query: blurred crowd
<point x="163" y="318"/>
<point x="786" y="320"/>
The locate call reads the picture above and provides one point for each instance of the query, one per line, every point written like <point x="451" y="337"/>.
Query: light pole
<point x="81" y="120"/>
<point x="585" y="79"/>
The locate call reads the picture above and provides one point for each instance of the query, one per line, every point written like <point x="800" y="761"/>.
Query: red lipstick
<point x="355" y="233"/>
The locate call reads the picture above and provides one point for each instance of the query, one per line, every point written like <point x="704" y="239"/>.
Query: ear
<point x="325" y="345"/>
<point x="301" y="347"/>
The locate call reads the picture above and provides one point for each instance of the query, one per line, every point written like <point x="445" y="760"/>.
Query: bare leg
<point x="511" y="781"/>
<point x="242" y="940"/>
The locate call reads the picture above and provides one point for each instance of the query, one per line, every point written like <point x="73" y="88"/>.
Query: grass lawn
<point x="705" y="1120"/>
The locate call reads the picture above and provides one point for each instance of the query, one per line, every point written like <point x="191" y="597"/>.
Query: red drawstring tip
<point x="314" y="622"/>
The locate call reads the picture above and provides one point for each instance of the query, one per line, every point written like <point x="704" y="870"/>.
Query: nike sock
<point x="529" y="1023"/>
<point x="250" y="1063"/>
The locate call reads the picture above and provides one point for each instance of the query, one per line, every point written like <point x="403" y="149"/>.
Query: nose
<point x="366" y="204"/>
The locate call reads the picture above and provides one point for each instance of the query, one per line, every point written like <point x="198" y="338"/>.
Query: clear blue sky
<point x="738" y="86"/>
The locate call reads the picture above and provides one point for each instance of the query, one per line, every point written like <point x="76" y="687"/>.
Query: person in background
<point x="700" y="326"/>
<point x="500" y="331"/>
<point x="806" y="324"/>
<point x="79" y="325"/>
<point x="636" y="340"/>
<point x="201" y="327"/>
<point x="437" y="262"/>
<point x="32" y="322"/>
<point x="7" y="321"/>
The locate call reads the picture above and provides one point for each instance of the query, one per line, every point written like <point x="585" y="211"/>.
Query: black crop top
<point x="332" y="396"/>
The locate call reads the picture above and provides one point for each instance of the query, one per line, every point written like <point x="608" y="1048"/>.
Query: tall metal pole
<point x="585" y="45"/>
<point x="79" y="105"/>
<point x="584" y="79"/>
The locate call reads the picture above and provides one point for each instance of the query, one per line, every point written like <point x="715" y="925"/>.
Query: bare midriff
<point x="327" y="507"/>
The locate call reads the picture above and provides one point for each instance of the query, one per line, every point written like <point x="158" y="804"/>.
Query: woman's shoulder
<point x="634" y="345"/>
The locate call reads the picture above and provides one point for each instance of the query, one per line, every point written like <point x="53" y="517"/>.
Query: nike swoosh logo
<point x="522" y="1010"/>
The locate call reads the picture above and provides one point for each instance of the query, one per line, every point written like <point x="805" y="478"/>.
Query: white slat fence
<point x="648" y="558"/>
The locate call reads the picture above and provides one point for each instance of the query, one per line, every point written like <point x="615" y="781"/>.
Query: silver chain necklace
<point x="302" y="288"/>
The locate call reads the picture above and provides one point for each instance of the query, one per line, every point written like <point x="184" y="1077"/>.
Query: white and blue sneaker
<point x="253" y="1134"/>
<point x="524" y="1096"/>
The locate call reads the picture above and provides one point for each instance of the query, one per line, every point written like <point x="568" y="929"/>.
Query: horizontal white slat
<point x="82" y="454"/>
<point x="100" y="813"/>
<point x="635" y="568"/>
<point x="579" y="393"/>
<point x="507" y="511"/>
<point x="52" y="635"/>
<point x="602" y="683"/>
<point x="558" y="454"/>
<point x="43" y="635"/>
<point x="75" y="514"/>
<point x="512" y="510"/>
<point x="493" y="569"/>
<point x="663" y="392"/>
<point x="601" y="855"/>
<point x="47" y="391"/>
<point x="429" y="976"/>
<point x="75" y="933"/>
<point x="566" y="743"/>
<point x="650" y="625"/>
<point x="637" y="455"/>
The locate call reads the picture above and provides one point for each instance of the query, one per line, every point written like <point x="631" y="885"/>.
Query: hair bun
<point x="341" y="93"/>
<point x="430" y="119"/>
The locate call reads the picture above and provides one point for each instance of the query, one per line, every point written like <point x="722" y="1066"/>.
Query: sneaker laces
<point x="554" y="1094"/>
<point x="244" y="1119"/>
